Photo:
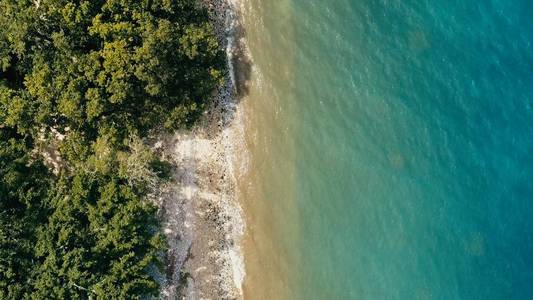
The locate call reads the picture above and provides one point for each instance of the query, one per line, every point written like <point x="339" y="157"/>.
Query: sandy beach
<point x="202" y="218"/>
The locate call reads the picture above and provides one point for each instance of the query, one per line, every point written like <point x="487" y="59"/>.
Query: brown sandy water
<point x="266" y="189"/>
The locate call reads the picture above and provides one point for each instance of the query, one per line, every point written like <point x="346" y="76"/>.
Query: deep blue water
<point x="414" y="140"/>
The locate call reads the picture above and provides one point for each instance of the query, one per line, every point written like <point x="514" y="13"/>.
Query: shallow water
<point x="390" y="149"/>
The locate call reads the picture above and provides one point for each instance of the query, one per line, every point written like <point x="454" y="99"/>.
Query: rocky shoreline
<point x="202" y="219"/>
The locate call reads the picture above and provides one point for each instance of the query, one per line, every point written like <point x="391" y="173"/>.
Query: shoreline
<point x="202" y="218"/>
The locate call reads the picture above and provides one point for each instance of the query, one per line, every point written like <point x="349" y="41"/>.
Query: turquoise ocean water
<point x="411" y="124"/>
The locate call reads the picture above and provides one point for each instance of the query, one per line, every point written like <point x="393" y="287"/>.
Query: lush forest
<point x="90" y="80"/>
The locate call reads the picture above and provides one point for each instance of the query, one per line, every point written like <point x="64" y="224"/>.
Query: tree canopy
<point x="90" y="79"/>
<point x="88" y="65"/>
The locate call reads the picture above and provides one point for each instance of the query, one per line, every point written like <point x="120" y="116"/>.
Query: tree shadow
<point x="242" y="64"/>
<point x="231" y="35"/>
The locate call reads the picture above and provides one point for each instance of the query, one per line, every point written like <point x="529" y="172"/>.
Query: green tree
<point x="92" y="79"/>
<point x="23" y="206"/>
<point x="131" y="65"/>
<point x="100" y="240"/>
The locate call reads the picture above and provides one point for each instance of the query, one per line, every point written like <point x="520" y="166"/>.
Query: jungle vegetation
<point x="90" y="80"/>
